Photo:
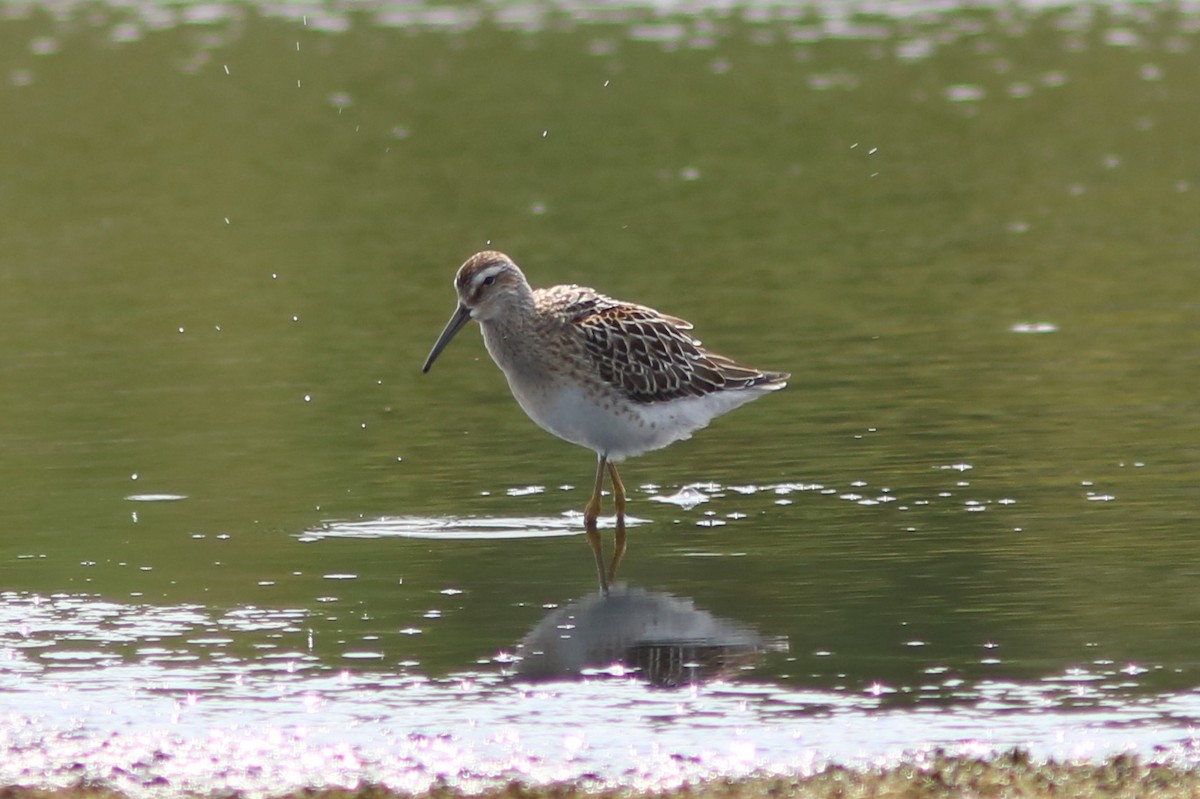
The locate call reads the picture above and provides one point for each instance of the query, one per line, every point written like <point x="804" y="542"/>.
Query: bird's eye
<point x="489" y="280"/>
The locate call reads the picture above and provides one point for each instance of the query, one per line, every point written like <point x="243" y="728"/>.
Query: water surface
<point x="249" y="546"/>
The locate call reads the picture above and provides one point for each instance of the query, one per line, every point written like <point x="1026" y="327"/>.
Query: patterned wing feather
<point x="650" y="357"/>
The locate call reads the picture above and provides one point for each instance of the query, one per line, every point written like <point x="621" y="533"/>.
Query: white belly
<point x="599" y="418"/>
<point x="617" y="428"/>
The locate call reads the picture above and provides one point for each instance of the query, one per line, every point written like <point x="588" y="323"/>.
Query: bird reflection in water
<point x="660" y="638"/>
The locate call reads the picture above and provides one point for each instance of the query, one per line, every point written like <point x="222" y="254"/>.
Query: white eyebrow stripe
<point x="494" y="270"/>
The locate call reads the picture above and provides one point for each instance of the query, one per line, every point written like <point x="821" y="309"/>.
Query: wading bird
<point x="618" y="378"/>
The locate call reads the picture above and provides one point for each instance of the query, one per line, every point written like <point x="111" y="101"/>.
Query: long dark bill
<point x="460" y="318"/>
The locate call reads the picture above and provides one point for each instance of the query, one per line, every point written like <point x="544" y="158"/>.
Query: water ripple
<point x="156" y="716"/>
<point x="457" y="528"/>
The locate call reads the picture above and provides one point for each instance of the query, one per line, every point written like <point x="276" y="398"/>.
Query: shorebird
<point x="618" y="378"/>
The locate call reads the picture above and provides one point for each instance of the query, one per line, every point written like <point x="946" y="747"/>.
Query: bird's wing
<point x="649" y="356"/>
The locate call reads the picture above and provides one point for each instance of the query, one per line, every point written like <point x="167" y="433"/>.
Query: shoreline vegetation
<point x="1014" y="774"/>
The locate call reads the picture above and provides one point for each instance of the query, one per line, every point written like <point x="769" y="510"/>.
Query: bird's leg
<point x="591" y="512"/>
<point x="619" y="505"/>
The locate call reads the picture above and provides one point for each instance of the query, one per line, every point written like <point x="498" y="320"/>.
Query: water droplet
<point x="965" y="93"/>
<point x="1122" y="37"/>
<point x="43" y="45"/>
<point x="1034" y="327"/>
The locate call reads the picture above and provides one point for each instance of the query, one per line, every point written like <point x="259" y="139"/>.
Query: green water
<point x="228" y="245"/>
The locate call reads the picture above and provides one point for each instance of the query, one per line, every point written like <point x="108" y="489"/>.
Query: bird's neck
<point x="506" y="338"/>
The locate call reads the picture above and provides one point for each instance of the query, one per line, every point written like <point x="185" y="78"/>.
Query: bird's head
<point x="488" y="284"/>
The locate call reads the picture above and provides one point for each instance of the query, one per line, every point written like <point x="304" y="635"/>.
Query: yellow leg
<point x="619" y="505"/>
<point x="591" y="512"/>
